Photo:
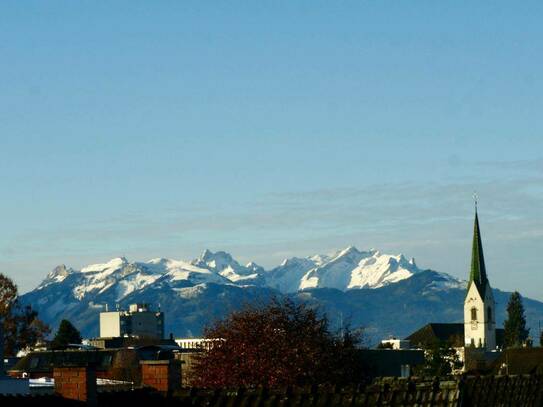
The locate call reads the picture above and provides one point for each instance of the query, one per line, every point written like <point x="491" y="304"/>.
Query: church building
<point x="478" y="331"/>
<point x="479" y="306"/>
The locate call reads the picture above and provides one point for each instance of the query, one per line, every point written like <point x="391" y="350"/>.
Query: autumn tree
<point x="515" y="324"/>
<point x="66" y="334"/>
<point x="278" y="344"/>
<point x="21" y="325"/>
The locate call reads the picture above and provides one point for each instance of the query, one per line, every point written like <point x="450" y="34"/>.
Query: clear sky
<point x="271" y="129"/>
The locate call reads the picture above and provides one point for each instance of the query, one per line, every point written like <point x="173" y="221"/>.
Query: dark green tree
<point x="21" y="325"/>
<point x="441" y="359"/>
<point x="66" y="334"/>
<point x="515" y="324"/>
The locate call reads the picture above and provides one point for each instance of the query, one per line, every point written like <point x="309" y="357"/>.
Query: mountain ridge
<point x="367" y="287"/>
<point x="345" y="269"/>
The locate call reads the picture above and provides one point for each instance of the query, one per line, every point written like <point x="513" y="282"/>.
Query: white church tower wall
<point x="479" y="319"/>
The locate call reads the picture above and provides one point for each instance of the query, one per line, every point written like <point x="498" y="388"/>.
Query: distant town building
<point x="195" y="343"/>
<point x="139" y="321"/>
<point x="397" y="344"/>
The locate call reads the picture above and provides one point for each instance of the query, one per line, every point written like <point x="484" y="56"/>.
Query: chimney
<point x="162" y="375"/>
<point x="76" y="383"/>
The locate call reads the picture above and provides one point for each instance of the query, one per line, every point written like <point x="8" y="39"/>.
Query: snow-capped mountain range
<point x="369" y="288"/>
<point x="344" y="270"/>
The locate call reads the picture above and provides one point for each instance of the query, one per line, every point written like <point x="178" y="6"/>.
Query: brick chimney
<point x="162" y="375"/>
<point x="76" y="383"/>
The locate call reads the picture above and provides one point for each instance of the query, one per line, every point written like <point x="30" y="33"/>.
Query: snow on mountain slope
<point x="118" y="274"/>
<point x="446" y="282"/>
<point x="286" y="277"/>
<point x="118" y="278"/>
<point x="106" y="268"/>
<point x="121" y="277"/>
<point x="202" y="289"/>
<point x="223" y="264"/>
<point x="351" y="268"/>
<point x="176" y="270"/>
<point x="379" y="270"/>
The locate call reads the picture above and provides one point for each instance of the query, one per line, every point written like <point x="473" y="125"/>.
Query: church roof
<point x="451" y="333"/>
<point x="477" y="274"/>
<point x="429" y="334"/>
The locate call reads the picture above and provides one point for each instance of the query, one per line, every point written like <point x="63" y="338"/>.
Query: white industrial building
<point x="139" y="321"/>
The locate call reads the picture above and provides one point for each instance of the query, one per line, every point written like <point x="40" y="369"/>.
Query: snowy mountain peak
<point x="224" y="264"/>
<point x="351" y="268"/>
<point x="381" y="269"/>
<point x="57" y="275"/>
<point x="297" y="261"/>
<point x="345" y="269"/>
<point x="319" y="259"/>
<point x="347" y="250"/>
<point x="350" y="253"/>
<point x="159" y="261"/>
<point x="60" y="271"/>
<point x="112" y="265"/>
<point x="218" y="260"/>
<point x="255" y="267"/>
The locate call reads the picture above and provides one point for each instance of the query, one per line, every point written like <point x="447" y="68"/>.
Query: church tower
<point x="479" y="306"/>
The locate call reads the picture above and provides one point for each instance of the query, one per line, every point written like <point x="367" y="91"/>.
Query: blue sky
<point x="271" y="129"/>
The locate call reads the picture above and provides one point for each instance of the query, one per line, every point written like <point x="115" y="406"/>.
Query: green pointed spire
<point x="478" y="270"/>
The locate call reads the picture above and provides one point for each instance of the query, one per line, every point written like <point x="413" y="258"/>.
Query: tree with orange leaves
<point x="279" y="344"/>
